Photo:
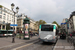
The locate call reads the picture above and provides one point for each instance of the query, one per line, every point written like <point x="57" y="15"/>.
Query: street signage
<point x="63" y="23"/>
<point x="13" y="25"/>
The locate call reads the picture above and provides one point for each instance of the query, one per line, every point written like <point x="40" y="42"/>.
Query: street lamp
<point x="17" y="8"/>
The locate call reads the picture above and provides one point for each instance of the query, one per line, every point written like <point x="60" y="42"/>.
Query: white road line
<point x="22" y="46"/>
<point x="11" y="45"/>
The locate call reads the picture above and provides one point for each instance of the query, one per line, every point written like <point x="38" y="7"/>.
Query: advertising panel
<point x="26" y="31"/>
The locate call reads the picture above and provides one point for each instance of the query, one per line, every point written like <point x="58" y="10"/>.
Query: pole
<point x="13" y="39"/>
<point x="17" y="8"/>
<point x="20" y="34"/>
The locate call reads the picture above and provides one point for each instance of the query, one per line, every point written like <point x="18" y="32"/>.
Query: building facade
<point x="20" y="26"/>
<point x="20" y="19"/>
<point x="72" y="22"/>
<point x="6" y="16"/>
<point x="64" y="24"/>
<point x="33" y="25"/>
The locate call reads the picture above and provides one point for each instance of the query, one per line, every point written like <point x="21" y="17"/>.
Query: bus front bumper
<point x="46" y="40"/>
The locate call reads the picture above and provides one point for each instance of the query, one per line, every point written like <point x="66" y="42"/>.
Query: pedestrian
<point x="14" y="33"/>
<point x="70" y="34"/>
<point x="31" y="33"/>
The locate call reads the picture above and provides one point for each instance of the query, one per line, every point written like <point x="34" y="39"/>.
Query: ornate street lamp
<point x="12" y="6"/>
<point x="17" y="8"/>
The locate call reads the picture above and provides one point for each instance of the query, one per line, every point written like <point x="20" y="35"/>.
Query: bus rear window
<point x="46" y="27"/>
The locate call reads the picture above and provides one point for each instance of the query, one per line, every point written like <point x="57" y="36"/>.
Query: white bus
<point x="47" y="33"/>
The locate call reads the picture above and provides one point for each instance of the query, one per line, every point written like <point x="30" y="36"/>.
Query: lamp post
<point x="17" y="8"/>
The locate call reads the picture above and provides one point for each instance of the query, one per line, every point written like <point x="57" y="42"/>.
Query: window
<point x="4" y="14"/>
<point x="7" y="17"/>
<point x="0" y="16"/>
<point x="4" y="9"/>
<point x="11" y="28"/>
<point x="12" y="16"/>
<point x="0" y="12"/>
<point x="0" y="8"/>
<point x="3" y="27"/>
<point x="3" y="17"/>
<point x="46" y="27"/>
<point x="3" y="22"/>
<point x="12" y="20"/>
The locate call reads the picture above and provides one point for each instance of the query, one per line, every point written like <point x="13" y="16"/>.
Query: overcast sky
<point x="47" y="10"/>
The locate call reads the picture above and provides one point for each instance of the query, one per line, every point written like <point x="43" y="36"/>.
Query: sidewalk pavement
<point x="6" y="42"/>
<point x="62" y="44"/>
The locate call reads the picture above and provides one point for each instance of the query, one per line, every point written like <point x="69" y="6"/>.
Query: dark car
<point x="63" y="36"/>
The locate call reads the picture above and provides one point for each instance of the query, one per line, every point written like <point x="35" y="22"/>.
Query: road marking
<point x="23" y="46"/>
<point x="10" y="45"/>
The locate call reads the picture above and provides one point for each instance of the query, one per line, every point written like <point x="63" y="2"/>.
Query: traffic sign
<point x="13" y="25"/>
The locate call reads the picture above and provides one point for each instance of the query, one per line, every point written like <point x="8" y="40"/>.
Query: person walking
<point x="30" y="33"/>
<point x="70" y="34"/>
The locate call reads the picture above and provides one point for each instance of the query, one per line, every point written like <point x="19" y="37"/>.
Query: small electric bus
<point x="47" y="33"/>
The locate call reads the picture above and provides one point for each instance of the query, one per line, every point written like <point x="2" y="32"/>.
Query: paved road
<point x="6" y="44"/>
<point x="31" y="45"/>
<point x="38" y="45"/>
<point x="18" y="45"/>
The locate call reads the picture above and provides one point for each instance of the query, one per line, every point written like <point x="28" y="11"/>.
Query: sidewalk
<point x="6" y="42"/>
<point x="62" y="44"/>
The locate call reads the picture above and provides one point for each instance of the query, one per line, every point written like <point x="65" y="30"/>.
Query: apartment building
<point x="33" y="25"/>
<point x="20" y="26"/>
<point x="6" y="16"/>
<point x="20" y="19"/>
<point x="65" y="25"/>
<point x="72" y="22"/>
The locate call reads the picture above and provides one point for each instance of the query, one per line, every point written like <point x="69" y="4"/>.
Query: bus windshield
<point x="46" y="27"/>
